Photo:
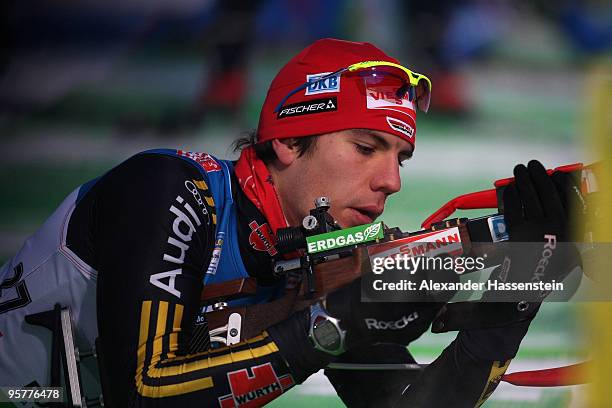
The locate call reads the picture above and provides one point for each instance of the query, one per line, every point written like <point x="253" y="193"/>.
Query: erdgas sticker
<point x="344" y="238"/>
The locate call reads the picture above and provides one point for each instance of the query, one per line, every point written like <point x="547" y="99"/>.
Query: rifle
<point x="322" y="257"/>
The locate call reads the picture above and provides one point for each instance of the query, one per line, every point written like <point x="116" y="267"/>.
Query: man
<point x="130" y="252"/>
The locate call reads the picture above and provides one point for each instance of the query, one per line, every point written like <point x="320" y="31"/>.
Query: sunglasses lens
<point x="423" y="95"/>
<point x="385" y="86"/>
<point x="390" y="80"/>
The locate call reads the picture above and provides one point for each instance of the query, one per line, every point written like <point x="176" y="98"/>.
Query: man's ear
<point x="285" y="150"/>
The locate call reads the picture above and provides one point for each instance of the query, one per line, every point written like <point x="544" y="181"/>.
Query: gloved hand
<point x="537" y="204"/>
<point x="537" y="220"/>
<point x="363" y="323"/>
<point x="537" y="213"/>
<point x="378" y="322"/>
<point x="573" y="201"/>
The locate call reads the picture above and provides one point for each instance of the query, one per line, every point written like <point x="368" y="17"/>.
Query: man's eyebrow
<point x="381" y="141"/>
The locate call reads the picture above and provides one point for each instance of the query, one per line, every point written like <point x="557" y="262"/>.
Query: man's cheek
<point x="335" y="213"/>
<point x="345" y="218"/>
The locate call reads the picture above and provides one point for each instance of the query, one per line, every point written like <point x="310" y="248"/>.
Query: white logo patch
<point x="401" y="126"/>
<point x="331" y="84"/>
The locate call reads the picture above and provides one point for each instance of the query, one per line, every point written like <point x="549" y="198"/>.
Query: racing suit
<point x="130" y="252"/>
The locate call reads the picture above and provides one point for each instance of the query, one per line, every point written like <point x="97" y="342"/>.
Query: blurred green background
<point x="83" y="86"/>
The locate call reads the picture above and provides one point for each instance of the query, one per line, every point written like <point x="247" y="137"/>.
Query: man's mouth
<point x="368" y="214"/>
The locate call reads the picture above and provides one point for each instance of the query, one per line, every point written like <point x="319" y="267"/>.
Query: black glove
<point x="533" y="206"/>
<point x="364" y="323"/>
<point x="537" y="220"/>
<point x="573" y="201"/>
<point x="536" y="210"/>
<point x="291" y="338"/>
<point x="383" y="322"/>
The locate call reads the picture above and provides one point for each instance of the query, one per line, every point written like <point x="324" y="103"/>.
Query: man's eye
<point x="403" y="159"/>
<point x="365" y="150"/>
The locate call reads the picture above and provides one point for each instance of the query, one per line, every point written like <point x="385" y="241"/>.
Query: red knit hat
<point x="338" y="103"/>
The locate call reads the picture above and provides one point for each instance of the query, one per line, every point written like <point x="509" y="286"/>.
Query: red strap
<point x="479" y="199"/>
<point x="550" y="377"/>
<point x="483" y="199"/>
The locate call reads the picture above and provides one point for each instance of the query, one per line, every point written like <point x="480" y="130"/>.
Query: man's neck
<point x="277" y="173"/>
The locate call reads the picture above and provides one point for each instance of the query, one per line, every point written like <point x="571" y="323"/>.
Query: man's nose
<point x="386" y="177"/>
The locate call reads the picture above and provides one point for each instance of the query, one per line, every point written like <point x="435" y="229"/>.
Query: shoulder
<point x="151" y="183"/>
<point x="163" y="167"/>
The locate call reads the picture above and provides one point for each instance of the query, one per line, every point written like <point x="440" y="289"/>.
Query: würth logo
<point x="256" y="390"/>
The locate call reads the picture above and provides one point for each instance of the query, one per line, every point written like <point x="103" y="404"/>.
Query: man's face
<point x="357" y="169"/>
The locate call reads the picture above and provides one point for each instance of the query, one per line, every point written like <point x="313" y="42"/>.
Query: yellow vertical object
<point x="599" y="124"/>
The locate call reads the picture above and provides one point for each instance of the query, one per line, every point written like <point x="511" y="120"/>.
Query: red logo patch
<point x="203" y="159"/>
<point x="256" y="390"/>
<point x="261" y="238"/>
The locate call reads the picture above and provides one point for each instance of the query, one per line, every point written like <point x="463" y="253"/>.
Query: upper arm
<point x="152" y="236"/>
<point x="153" y="241"/>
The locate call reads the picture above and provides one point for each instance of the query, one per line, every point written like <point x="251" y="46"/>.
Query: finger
<point x="546" y="191"/>
<point x="562" y="184"/>
<point x="569" y="192"/>
<point x="573" y="201"/>
<point x="513" y="209"/>
<point x="527" y="193"/>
